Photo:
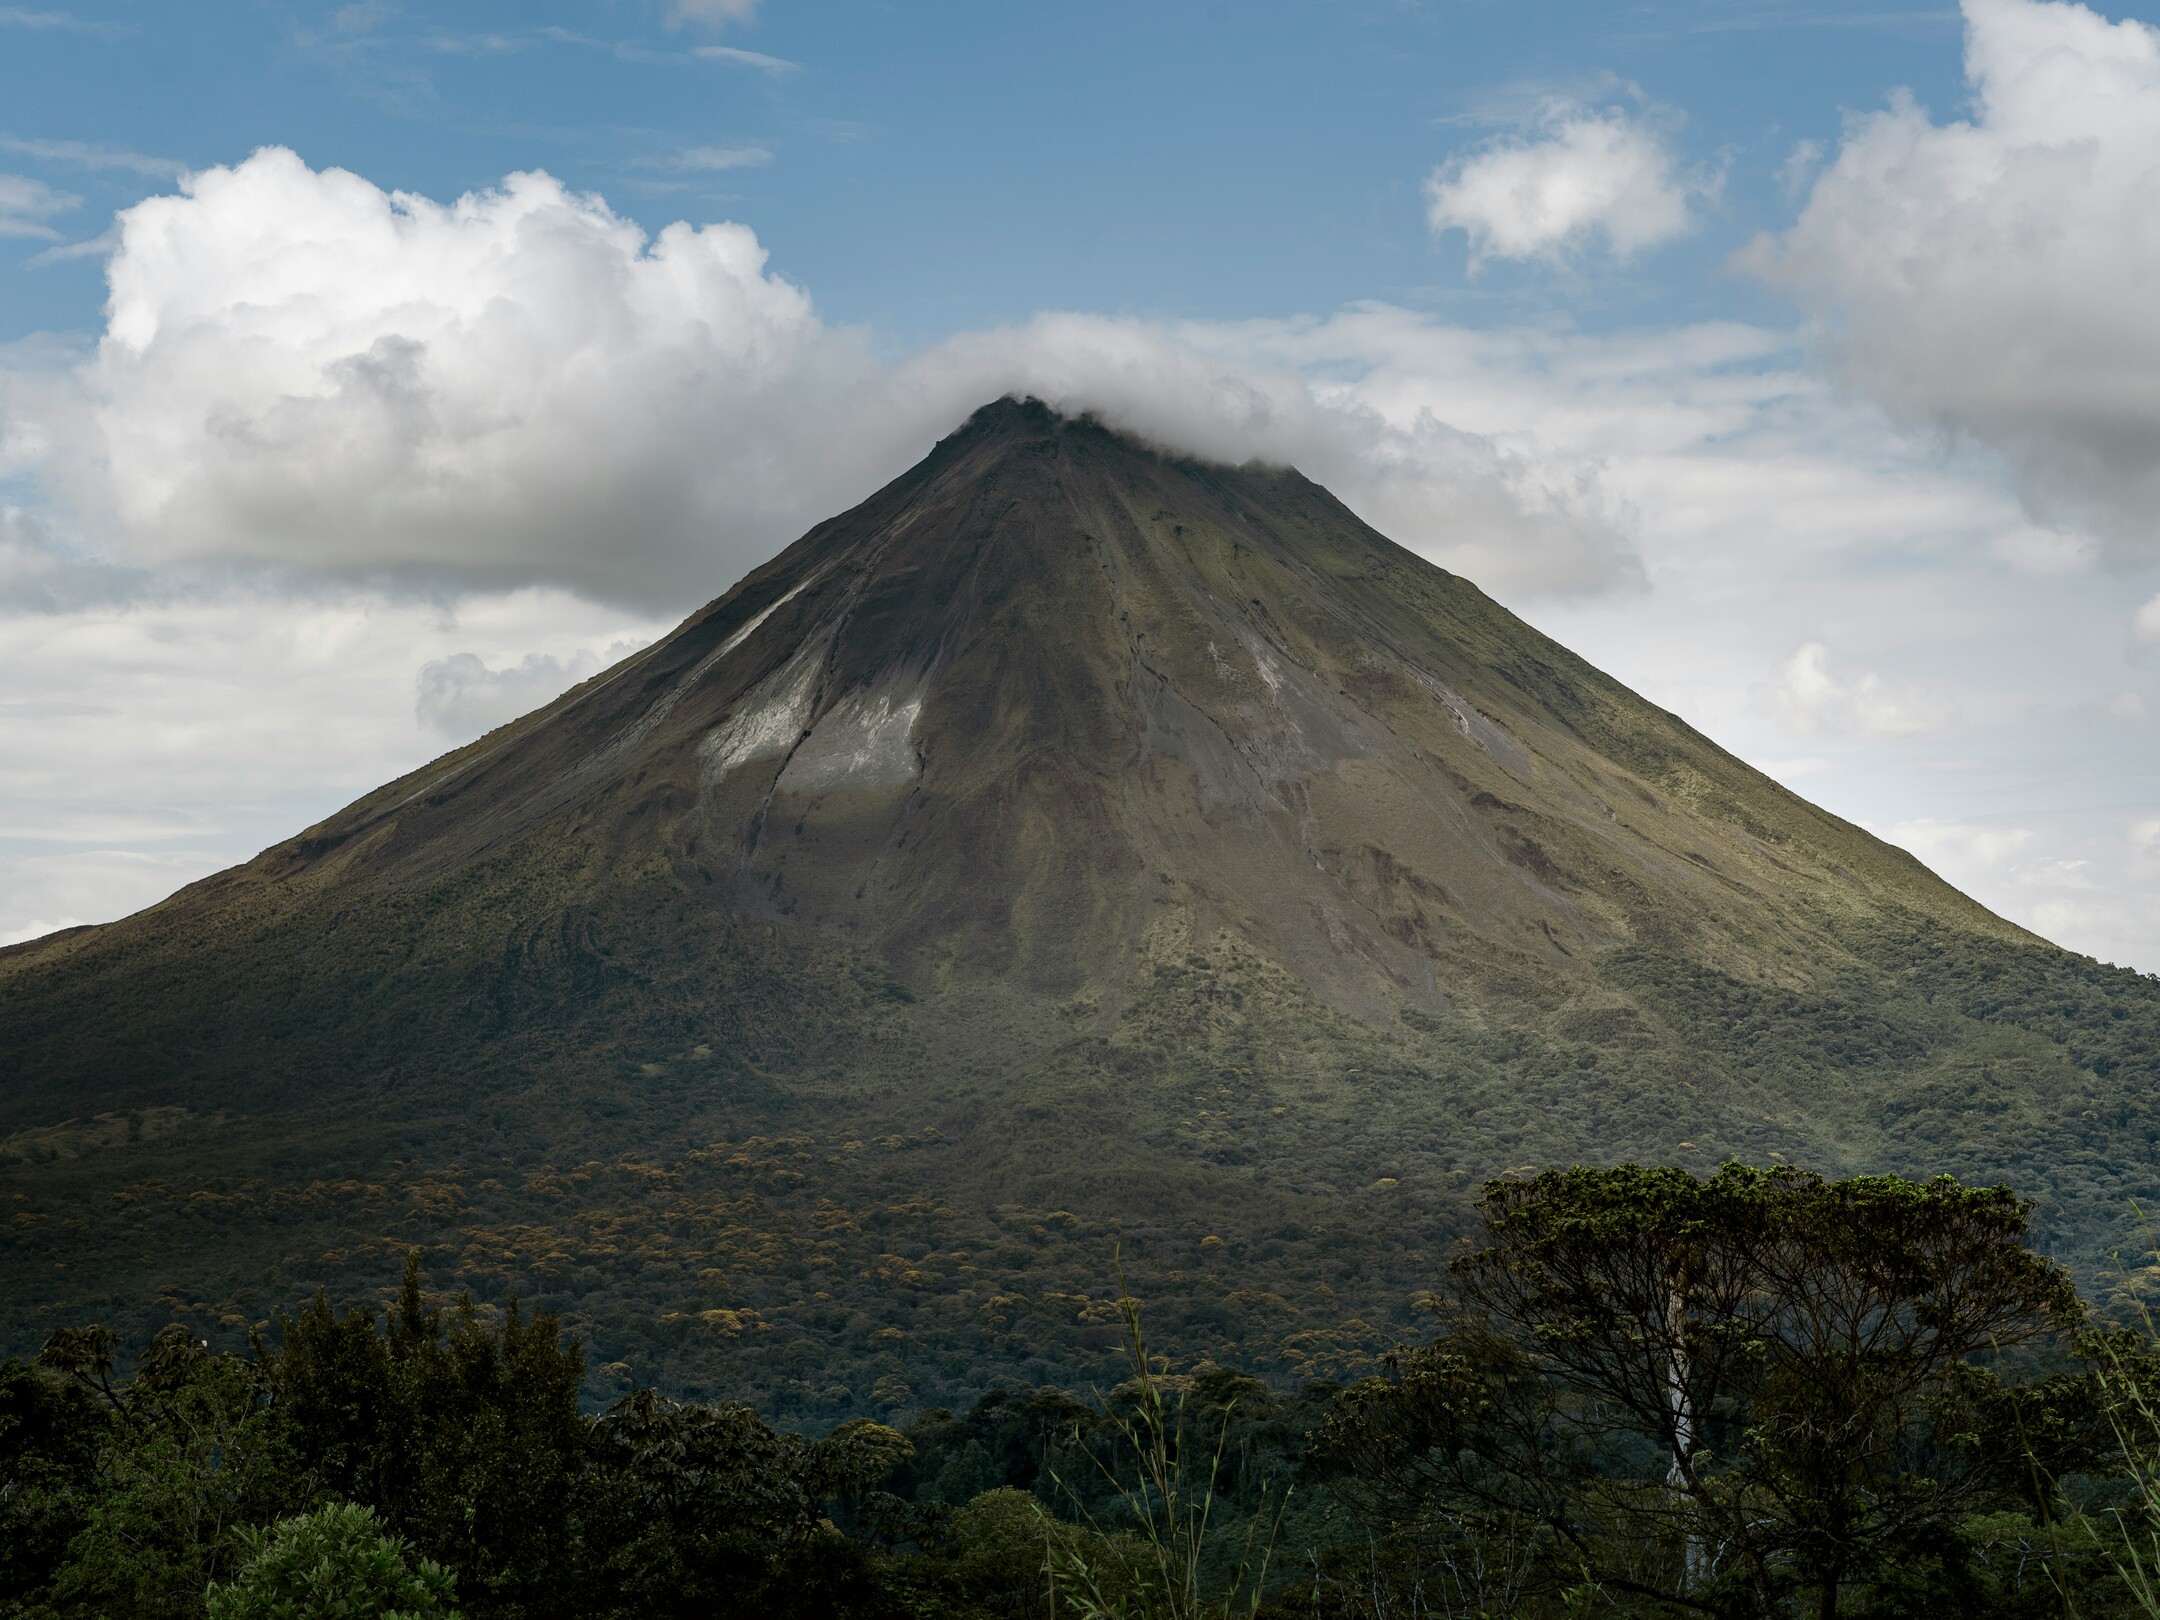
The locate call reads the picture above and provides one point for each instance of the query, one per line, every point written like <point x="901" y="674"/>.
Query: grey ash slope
<point x="1128" y="836"/>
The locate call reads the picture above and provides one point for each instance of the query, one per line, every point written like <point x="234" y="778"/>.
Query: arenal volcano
<point x="1073" y="844"/>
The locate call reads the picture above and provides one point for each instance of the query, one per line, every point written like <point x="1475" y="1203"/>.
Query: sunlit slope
<point x="1071" y="831"/>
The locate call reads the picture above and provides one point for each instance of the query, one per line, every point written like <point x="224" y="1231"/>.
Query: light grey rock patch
<point x="865" y="741"/>
<point x="771" y="719"/>
<point x="1502" y="749"/>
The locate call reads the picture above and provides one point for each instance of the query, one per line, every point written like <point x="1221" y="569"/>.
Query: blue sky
<point x="1791" y="362"/>
<point x="940" y="168"/>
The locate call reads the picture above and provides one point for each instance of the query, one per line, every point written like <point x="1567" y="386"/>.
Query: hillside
<point x="1071" y="844"/>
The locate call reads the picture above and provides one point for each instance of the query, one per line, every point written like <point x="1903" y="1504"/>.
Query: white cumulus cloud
<point x="148" y="741"/>
<point x="2089" y="889"/>
<point x="1968" y="856"/>
<point x="2145" y="627"/>
<point x="1812" y="700"/>
<point x="198" y="714"/>
<point x="301" y="369"/>
<point x="303" y="372"/>
<point x="36" y="928"/>
<point x="1995" y="275"/>
<point x="1588" y="174"/>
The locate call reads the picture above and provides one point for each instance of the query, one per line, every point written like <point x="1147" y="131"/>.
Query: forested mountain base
<point x="849" y="1243"/>
<point x="1641" y="1393"/>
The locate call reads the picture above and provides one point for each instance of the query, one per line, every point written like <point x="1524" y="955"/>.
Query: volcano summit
<point x="1071" y="844"/>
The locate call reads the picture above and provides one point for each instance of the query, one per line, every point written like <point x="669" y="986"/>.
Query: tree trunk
<point x="1694" y="1559"/>
<point x="1826" y="1602"/>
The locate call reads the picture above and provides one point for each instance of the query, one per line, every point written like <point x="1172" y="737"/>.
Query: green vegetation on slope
<point x="888" y="1226"/>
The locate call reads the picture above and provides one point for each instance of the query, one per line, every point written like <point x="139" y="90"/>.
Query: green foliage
<point x="2125" y="1356"/>
<point x="790" y="1231"/>
<point x="817" y="1236"/>
<point x="333" y="1564"/>
<point x="188" y="1454"/>
<point x="999" y="1550"/>
<point x="1723" y="1391"/>
<point x="1655" y="1393"/>
<point x="1427" y="1457"/>
<point x="687" y="1502"/>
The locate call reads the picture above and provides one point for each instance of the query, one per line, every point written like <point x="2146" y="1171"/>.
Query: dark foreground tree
<point x="699" y="1510"/>
<point x="183" y="1455"/>
<point x="463" y="1436"/>
<point x="1712" y="1392"/>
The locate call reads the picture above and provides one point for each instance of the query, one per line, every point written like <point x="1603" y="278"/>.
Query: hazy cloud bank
<point x="1813" y="700"/>
<point x="461" y="698"/>
<point x="147" y="742"/>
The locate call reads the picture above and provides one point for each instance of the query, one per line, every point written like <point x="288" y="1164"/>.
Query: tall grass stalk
<point x="1153" y="1570"/>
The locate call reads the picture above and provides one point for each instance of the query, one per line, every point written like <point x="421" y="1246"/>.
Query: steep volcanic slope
<point x="1070" y="840"/>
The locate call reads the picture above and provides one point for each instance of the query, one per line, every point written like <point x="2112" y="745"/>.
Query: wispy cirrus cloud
<point x="709" y="159"/>
<point x="716" y="13"/>
<point x="57" y="22"/>
<point x="26" y="205"/>
<point x="626" y="50"/>
<point x="756" y="59"/>
<point x="92" y="155"/>
<point x="1745" y="19"/>
<point x="95" y="247"/>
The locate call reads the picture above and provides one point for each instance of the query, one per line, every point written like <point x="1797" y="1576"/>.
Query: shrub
<point x="333" y="1564"/>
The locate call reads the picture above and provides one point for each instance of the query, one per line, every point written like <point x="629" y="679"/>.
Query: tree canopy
<point x="1757" y="1392"/>
<point x="1770" y="1381"/>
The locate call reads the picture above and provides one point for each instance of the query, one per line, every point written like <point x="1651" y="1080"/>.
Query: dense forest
<point x="1640" y="1392"/>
